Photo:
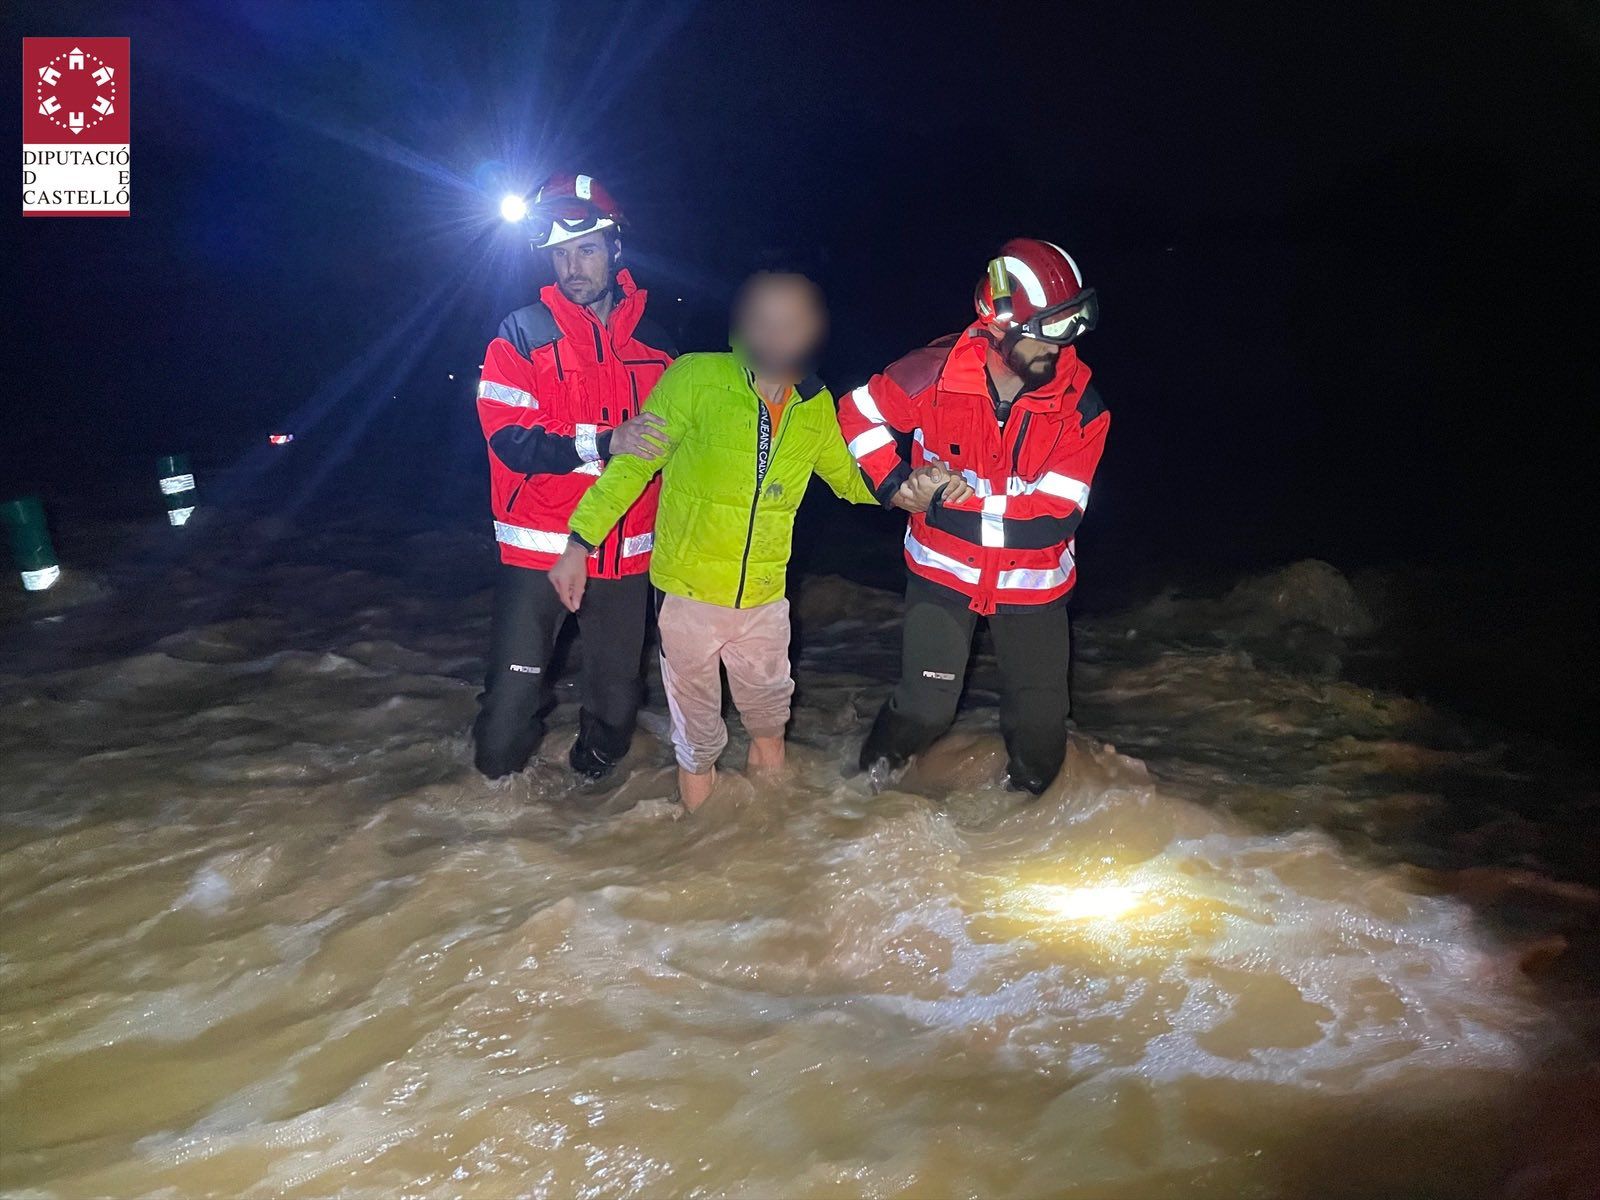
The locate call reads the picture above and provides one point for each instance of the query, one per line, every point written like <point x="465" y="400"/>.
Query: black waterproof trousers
<point x="1034" y="651"/>
<point x="527" y="617"/>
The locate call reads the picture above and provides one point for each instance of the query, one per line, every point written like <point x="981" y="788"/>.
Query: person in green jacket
<point x="736" y="438"/>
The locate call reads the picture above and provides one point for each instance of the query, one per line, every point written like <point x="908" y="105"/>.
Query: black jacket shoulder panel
<point x="1090" y="405"/>
<point x="529" y="328"/>
<point x="810" y="386"/>
<point x="651" y="334"/>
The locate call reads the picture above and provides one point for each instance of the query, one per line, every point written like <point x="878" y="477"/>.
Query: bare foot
<point x="767" y="755"/>
<point x="694" y="789"/>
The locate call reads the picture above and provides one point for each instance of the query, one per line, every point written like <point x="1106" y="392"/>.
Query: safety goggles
<point x="1063" y="323"/>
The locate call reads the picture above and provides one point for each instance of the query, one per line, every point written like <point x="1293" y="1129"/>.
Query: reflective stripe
<point x="174" y="485"/>
<point x="505" y="394"/>
<point x="980" y="487"/>
<point x="1023" y="274"/>
<point x="942" y="562"/>
<point x="589" y="468"/>
<point x="1064" y="486"/>
<point x="1052" y="484"/>
<point x="1021" y="579"/>
<point x="1071" y="262"/>
<point x="585" y="440"/>
<point x="873" y="439"/>
<point x="638" y="544"/>
<point x="40" y="580"/>
<point x="1035" y="580"/>
<point x="866" y="405"/>
<point x="179" y="516"/>
<point x="541" y="541"/>
<point x="994" y="520"/>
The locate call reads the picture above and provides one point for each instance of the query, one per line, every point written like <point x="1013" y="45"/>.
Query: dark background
<point x="1347" y="256"/>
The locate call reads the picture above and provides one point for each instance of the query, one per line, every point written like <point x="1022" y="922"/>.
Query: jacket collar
<point x="808" y="387"/>
<point x="965" y="370"/>
<point x="575" y="318"/>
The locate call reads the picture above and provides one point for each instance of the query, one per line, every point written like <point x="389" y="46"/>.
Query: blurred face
<point x="1033" y="361"/>
<point x="583" y="266"/>
<point x="779" y="322"/>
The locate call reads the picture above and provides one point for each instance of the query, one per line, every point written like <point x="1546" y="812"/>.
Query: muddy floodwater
<point x="264" y="933"/>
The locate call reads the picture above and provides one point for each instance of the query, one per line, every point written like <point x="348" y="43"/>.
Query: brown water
<point x="266" y="934"/>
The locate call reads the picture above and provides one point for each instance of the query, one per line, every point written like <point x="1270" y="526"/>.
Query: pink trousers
<point x="697" y="639"/>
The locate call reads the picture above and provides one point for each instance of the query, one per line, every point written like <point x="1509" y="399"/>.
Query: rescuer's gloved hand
<point x="644" y="436"/>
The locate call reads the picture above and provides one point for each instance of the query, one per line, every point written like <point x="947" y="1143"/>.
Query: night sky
<point x="1346" y="252"/>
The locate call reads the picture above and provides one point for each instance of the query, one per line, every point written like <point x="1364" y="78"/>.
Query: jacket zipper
<point x="600" y="357"/>
<point x="1016" y="446"/>
<point x="761" y="476"/>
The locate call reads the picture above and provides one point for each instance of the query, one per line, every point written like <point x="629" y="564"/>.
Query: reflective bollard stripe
<point x="176" y="480"/>
<point x="31" y="548"/>
<point x="39" y="581"/>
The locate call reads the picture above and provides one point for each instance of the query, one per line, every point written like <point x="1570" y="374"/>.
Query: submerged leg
<point x="936" y="642"/>
<point x="1034" y="652"/>
<point x="611" y="622"/>
<point x="527" y="616"/>
<point x="691" y="645"/>
<point x="756" y="655"/>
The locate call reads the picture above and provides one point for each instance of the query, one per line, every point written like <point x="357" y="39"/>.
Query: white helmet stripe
<point x="584" y="187"/>
<point x="1023" y="274"/>
<point x="559" y="235"/>
<point x="1071" y="262"/>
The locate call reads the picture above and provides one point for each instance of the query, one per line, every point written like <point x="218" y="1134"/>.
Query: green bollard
<point x="177" y="485"/>
<point x="30" y="543"/>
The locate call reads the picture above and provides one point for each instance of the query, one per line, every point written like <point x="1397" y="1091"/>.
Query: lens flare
<point x="513" y="207"/>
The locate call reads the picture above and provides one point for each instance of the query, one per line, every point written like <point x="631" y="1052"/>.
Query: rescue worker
<point x="1008" y="405"/>
<point x="744" y="432"/>
<point x="561" y="381"/>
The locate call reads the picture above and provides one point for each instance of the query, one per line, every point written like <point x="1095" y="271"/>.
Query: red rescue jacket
<point x="555" y="383"/>
<point x="1012" y="543"/>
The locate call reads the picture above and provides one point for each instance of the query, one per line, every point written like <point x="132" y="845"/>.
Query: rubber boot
<point x="891" y="744"/>
<point x="598" y="749"/>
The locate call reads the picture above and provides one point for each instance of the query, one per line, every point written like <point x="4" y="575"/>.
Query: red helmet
<point x="569" y="206"/>
<point x="1035" y="288"/>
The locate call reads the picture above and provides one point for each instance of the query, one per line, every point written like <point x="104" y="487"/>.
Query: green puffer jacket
<point x="724" y="530"/>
